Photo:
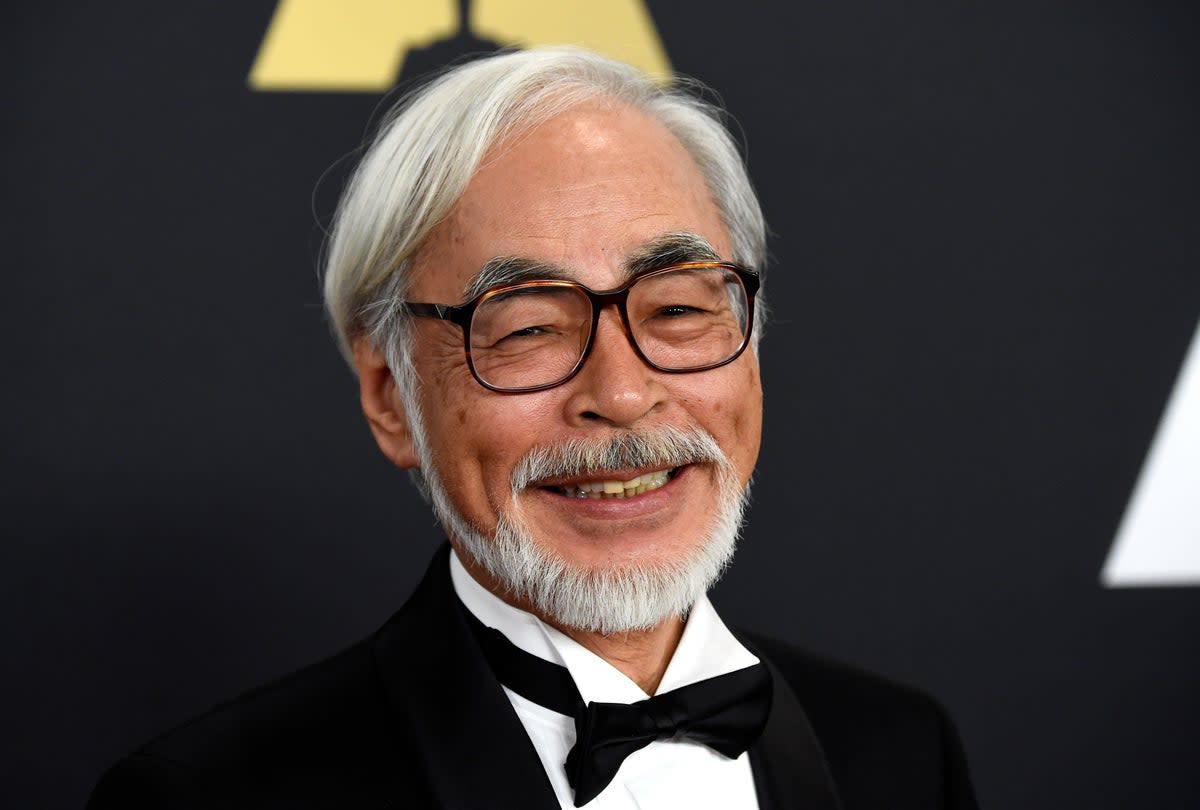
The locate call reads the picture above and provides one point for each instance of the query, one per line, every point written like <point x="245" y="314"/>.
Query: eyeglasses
<point x="535" y="335"/>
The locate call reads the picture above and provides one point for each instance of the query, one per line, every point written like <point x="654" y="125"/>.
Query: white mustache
<point x="657" y="447"/>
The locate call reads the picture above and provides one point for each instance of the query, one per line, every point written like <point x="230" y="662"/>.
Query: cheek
<point x="477" y="437"/>
<point x="729" y="406"/>
<point x="743" y="412"/>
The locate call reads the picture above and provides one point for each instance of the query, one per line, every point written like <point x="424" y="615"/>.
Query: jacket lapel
<point x="788" y="763"/>
<point x="458" y="720"/>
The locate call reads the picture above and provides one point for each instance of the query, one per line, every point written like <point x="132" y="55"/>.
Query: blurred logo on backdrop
<point x="1158" y="541"/>
<point x="346" y="46"/>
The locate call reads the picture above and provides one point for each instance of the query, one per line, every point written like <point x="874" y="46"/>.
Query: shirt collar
<point x="705" y="650"/>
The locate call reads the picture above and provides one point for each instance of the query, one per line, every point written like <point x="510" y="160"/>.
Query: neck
<point x="640" y="655"/>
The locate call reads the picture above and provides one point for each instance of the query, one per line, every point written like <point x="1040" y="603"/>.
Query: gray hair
<point x="431" y="144"/>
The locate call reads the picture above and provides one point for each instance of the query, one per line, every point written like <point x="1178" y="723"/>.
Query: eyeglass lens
<point x="535" y="335"/>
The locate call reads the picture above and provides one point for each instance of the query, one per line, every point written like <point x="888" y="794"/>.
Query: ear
<point x="383" y="406"/>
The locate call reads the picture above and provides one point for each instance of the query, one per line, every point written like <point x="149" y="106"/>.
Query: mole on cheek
<point x="461" y="416"/>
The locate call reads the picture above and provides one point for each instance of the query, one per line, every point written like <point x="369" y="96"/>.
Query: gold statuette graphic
<point x="363" y="45"/>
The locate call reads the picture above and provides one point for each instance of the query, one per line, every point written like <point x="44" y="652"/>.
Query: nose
<point x="614" y="387"/>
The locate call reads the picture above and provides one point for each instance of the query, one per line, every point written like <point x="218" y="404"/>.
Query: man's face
<point x="584" y="192"/>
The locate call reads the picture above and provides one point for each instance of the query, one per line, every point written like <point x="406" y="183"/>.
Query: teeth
<point x="619" y="489"/>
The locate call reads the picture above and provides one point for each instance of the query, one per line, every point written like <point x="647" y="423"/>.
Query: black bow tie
<point x="726" y="713"/>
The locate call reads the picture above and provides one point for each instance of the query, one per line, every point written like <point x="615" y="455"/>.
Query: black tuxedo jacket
<point x="412" y="717"/>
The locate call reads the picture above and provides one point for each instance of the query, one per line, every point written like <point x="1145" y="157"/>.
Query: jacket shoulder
<point x="292" y="742"/>
<point x="882" y="739"/>
<point x="832" y="688"/>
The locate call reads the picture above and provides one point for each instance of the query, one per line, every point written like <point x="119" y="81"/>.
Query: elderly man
<point x="545" y="273"/>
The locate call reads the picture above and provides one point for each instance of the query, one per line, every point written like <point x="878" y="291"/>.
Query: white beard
<point x="600" y="599"/>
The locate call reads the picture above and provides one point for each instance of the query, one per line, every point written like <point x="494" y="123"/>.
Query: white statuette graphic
<point x="1158" y="542"/>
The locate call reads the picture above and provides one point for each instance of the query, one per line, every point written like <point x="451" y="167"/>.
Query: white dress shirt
<point x="665" y="775"/>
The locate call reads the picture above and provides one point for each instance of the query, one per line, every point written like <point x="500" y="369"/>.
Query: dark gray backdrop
<point x="985" y="277"/>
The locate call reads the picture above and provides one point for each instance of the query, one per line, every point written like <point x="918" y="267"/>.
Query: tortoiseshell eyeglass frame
<point x="462" y="315"/>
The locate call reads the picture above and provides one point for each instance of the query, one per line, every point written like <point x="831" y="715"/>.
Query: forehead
<point x="584" y="191"/>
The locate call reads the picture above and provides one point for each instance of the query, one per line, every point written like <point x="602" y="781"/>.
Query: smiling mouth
<point x="613" y="488"/>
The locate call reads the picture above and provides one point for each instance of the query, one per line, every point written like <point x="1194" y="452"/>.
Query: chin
<point x="638" y="592"/>
<point x="610" y="597"/>
<point x="612" y="556"/>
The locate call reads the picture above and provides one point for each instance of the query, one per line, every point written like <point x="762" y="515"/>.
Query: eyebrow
<point x="671" y="248"/>
<point x="504" y="270"/>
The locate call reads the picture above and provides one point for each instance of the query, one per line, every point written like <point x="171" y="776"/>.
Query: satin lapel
<point x="788" y="763"/>
<point x="457" y="716"/>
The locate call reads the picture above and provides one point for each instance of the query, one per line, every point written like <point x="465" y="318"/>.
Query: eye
<point x="677" y="311"/>
<point x="528" y="331"/>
